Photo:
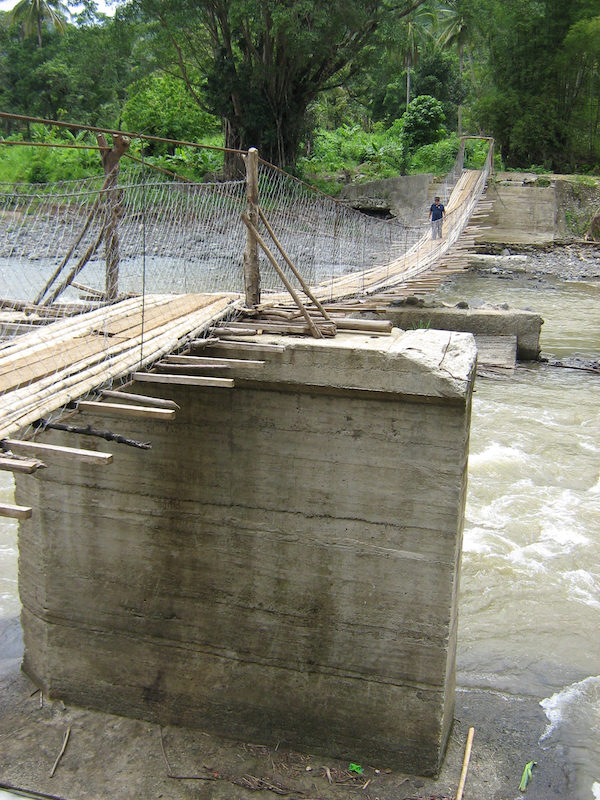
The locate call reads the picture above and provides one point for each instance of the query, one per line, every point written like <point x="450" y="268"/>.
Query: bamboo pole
<point x="25" y="406"/>
<point x="313" y="328"/>
<point x="288" y="261"/>
<point x="69" y="253"/>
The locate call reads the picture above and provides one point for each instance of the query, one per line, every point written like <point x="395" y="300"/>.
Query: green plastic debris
<point x="527" y="776"/>
<point x="356" y="768"/>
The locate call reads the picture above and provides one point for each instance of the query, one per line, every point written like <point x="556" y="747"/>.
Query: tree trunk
<point x="234" y="168"/>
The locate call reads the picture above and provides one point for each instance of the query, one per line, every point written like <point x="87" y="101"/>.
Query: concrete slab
<point x="525" y="325"/>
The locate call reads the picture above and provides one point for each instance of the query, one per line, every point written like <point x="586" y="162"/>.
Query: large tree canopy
<point x="258" y="64"/>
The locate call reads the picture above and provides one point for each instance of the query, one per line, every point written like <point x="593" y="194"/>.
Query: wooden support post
<point x="110" y="162"/>
<point x="251" y="263"/>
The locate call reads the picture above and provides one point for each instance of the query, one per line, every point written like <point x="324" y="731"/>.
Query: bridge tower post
<point x="251" y="253"/>
<point x="110" y="161"/>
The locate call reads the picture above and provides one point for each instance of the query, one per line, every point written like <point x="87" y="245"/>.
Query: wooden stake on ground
<point x="62" y="750"/>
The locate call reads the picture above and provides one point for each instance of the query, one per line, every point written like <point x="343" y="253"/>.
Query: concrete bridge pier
<point x="282" y="566"/>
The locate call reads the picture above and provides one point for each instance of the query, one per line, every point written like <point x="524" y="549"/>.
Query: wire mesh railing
<point x="179" y="250"/>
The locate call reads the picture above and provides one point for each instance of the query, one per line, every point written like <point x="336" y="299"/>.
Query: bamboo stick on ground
<point x="465" y="767"/>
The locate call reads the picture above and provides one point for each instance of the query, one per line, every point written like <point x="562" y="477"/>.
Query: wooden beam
<point x="185" y="380"/>
<point x="207" y="361"/>
<point x="141" y="398"/>
<point x="273" y="348"/>
<point x="189" y="369"/>
<point x="15" y="512"/>
<point x="123" y="410"/>
<point x="22" y="465"/>
<point x="366" y="325"/>
<point x="87" y="456"/>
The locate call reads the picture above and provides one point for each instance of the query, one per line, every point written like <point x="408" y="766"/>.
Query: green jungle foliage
<point x="332" y="91"/>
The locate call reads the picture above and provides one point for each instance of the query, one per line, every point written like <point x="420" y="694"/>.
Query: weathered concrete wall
<point x="283" y="565"/>
<point x="534" y="209"/>
<point x="525" y="325"/>
<point x="404" y="197"/>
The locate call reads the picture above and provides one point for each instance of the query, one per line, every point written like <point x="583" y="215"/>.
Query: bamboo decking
<point x="45" y="369"/>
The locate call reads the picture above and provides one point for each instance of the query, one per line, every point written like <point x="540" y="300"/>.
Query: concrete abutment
<point x="282" y="566"/>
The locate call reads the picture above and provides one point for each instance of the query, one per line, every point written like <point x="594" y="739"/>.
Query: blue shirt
<point x="437" y="212"/>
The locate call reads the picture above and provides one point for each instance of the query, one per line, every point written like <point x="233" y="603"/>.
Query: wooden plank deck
<point x="43" y="370"/>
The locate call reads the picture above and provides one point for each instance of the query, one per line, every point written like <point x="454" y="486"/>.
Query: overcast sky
<point x="6" y="5"/>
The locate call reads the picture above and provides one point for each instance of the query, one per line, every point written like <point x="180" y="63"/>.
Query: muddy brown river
<point x="530" y="584"/>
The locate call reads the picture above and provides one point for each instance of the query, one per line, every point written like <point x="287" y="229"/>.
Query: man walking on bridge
<point x="437" y="212"/>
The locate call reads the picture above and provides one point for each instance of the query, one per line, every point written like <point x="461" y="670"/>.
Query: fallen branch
<point x="89" y="431"/>
<point x="62" y="750"/>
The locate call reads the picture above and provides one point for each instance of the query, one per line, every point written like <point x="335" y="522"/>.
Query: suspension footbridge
<point x="102" y="279"/>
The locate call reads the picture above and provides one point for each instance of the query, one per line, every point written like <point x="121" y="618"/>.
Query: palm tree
<point x="33" y="13"/>
<point x="417" y="32"/>
<point x="455" y="24"/>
